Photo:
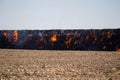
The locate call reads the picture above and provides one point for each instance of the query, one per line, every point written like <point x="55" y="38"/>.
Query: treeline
<point x="100" y="40"/>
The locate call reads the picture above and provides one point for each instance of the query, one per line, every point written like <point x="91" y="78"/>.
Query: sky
<point x="59" y="14"/>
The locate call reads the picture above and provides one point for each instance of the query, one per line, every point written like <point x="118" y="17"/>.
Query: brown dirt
<point x="59" y="65"/>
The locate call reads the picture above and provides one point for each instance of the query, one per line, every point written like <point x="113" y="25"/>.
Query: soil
<point x="59" y="65"/>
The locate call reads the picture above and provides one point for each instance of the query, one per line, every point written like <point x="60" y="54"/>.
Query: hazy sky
<point x="59" y="14"/>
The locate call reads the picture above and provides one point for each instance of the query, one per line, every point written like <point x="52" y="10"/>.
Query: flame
<point x="87" y="37"/>
<point x="76" y="42"/>
<point x="5" y="34"/>
<point x="54" y="38"/>
<point x="75" y="34"/>
<point x="104" y="47"/>
<point x="42" y="42"/>
<point x="118" y="50"/>
<point x="68" y="42"/>
<point x="41" y="39"/>
<point x="15" y="35"/>
<point x="109" y="35"/>
<point x="95" y="37"/>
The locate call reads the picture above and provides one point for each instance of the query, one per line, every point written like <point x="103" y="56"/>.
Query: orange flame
<point x="68" y="42"/>
<point x="54" y="38"/>
<point x="15" y="35"/>
<point x="95" y="37"/>
<point x="5" y="34"/>
<point x="118" y="50"/>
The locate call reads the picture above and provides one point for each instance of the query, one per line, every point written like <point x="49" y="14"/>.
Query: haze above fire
<point x="59" y="14"/>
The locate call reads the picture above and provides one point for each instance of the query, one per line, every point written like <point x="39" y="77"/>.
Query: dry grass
<point x="59" y="65"/>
